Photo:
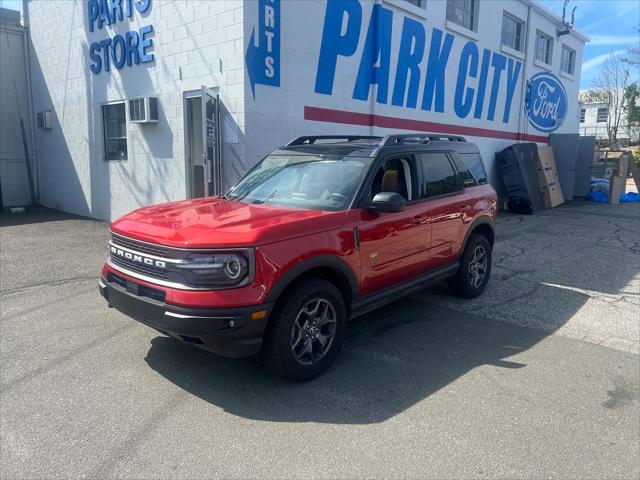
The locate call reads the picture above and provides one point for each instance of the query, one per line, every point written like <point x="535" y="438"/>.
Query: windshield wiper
<point x="273" y="194"/>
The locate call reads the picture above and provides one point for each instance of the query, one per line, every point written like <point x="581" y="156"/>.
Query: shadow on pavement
<point x="546" y="269"/>
<point x="386" y="366"/>
<point x="33" y="215"/>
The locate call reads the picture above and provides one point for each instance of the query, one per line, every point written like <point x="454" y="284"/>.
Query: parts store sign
<point x="126" y="49"/>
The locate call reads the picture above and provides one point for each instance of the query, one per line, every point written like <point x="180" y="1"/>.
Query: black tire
<point x="465" y="283"/>
<point x="281" y="352"/>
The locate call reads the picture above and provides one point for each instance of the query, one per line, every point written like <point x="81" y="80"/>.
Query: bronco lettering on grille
<point x="134" y="257"/>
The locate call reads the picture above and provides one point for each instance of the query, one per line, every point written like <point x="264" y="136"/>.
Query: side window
<point x="396" y="175"/>
<point x="472" y="162"/>
<point x="440" y="175"/>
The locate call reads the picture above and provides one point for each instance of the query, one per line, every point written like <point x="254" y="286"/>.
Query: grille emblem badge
<point x="134" y="257"/>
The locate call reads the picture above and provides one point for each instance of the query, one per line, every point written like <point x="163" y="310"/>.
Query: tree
<point x="631" y="96"/>
<point x="633" y="53"/>
<point x="611" y="85"/>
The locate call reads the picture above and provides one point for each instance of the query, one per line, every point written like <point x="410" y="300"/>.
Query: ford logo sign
<point x="546" y="102"/>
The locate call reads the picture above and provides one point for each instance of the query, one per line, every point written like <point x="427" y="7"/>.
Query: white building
<point x="281" y="68"/>
<point x="14" y="107"/>
<point x="596" y="113"/>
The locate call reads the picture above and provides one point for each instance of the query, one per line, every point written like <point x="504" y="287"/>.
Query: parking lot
<point x="539" y="377"/>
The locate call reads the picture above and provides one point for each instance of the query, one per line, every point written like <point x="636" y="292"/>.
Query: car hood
<point x="215" y="222"/>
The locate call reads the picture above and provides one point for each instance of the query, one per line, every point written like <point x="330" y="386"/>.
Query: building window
<point x="583" y="112"/>
<point x="463" y="13"/>
<point x="512" y="30"/>
<point x="417" y="3"/>
<point x="544" y="48"/>
<point x="114" y="121"/>
<point x="603" y="114"/>
<point x="568" y="61"/>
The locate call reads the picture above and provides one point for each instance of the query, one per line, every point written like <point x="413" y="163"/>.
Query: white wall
<point x="14" y="103"/>
<point x="277" y="114"/>
<point x="204" y="43"/>
<point x="192" y="39"/>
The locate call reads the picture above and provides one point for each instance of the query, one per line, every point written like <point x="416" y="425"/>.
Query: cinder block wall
<point x="194" y="43"/>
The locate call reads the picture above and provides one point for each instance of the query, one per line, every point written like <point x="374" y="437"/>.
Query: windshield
<point x="301" y="181"/>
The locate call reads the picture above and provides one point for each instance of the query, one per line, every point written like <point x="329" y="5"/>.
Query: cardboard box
<point x="617" y="186"/>
<point x="548" y="178"/>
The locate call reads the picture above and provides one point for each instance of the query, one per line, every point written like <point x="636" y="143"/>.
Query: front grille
<point x="143" y="290"/>
<point x="138" y="267"/>
<point x="157" y="250"/>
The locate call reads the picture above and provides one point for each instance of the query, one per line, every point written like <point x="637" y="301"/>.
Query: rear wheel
<point x="306" y="331"/>
<point x="475" y="268"/>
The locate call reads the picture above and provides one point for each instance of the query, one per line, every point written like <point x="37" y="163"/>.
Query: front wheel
<point x="306" y="331"/>
<point x="475" y="268"/>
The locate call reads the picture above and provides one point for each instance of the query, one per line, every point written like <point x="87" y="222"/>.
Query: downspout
<point x="522" y="120"/>
<point x="34" y="149"/>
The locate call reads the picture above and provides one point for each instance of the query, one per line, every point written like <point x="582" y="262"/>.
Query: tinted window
<point x="440" y="175"/>
<point x="465" y="174"/>
<point x="472" y="163"/>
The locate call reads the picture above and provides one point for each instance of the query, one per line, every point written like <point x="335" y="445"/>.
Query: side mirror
<point x="388" y="202"/>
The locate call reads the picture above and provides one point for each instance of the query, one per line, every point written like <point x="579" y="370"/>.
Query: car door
<point x="393" y="246"/>
<point x="449" y="207"/>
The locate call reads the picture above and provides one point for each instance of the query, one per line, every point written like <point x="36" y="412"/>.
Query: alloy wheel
<point x="478" y="266"/>
<point x="313" y="331"/>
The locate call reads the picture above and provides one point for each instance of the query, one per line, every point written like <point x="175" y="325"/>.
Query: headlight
<point x="214" y="269"/>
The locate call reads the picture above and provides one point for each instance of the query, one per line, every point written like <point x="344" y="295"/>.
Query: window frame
<point x="105" y="138"/>
<point x="606" y="117"/>
<point x="407" y="6"/>
<point x="521" y="38"/>
<point x="425" y="177"/>
<point x="367" y="196"/>
<point x="417" y="3"/>
<point x="583" y="115"/>
<point x="572" y="57"/>
<point x="475" y="13"/>
<point x="549" y="38"/>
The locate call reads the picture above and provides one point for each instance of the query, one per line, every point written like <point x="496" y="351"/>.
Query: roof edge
<point x="544" y="11"/>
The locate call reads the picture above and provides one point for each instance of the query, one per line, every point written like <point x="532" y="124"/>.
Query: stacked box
<point x="548" y="178"/>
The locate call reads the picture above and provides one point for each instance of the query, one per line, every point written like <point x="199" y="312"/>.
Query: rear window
<point x="471" y="169"/>
<point x="440" y="175"/>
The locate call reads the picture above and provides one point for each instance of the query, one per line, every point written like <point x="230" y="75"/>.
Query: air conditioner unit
<point x="143" y="110"/>
<point x="44" y="120"/>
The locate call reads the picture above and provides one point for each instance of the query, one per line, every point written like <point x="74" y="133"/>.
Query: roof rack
<point x="310" y="140"/>
<point x="418" y="138"/>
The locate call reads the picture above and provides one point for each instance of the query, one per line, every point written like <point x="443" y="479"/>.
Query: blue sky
<point x="611" y="24"/>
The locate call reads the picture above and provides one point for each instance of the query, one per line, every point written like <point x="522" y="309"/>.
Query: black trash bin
<point x="518" y="167"/>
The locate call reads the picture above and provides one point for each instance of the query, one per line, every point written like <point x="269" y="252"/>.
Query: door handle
<point x="418" y="220"/>
<point x="464" y="208"/>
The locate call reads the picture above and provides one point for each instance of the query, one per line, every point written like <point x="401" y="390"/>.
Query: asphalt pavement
<point x="537" y="378"/>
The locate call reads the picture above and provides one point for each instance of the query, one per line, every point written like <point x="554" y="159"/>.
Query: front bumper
<point x="230" y="332"/>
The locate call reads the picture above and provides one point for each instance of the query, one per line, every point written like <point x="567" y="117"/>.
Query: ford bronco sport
<point x="320" y="231"/>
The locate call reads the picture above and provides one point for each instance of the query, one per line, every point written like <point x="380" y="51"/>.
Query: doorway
<point x="203" y="149"/>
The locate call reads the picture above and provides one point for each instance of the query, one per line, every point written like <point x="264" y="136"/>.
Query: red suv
<point x="320" y="231"/>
